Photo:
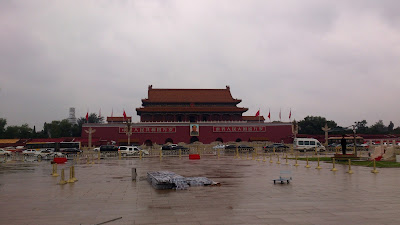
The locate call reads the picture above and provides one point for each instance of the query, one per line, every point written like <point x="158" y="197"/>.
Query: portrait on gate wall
<point x="194" y="130"/>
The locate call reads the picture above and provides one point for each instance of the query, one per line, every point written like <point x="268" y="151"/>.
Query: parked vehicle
<point x="43" y="153"/>
<point x="242" y="147"/>
<point x="169" y="147"/>
<point x="108" y="148"/>
<point x="70" y="151"/>
<point x="29" y="152"/>
<point x="96" y="149"/>
<point x="308" y="144"/>
<point x="131" y="150"/>
<point x="219" y="146"/>
<point x="4" y="152"/>
<point x="278" y="147"/>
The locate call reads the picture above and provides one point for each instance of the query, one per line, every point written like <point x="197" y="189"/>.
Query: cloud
<point x="334" y="59"/>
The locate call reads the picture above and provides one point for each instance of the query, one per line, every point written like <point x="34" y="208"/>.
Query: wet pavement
<point x="105" y="192"/>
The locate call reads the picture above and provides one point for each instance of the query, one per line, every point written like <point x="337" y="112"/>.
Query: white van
<point x="307" y="144"/>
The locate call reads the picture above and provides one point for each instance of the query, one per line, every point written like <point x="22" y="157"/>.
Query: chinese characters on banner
<point x="239" y="129"/>
<point x="149" y="130"/>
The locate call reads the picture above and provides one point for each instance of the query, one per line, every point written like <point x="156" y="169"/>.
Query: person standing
<point x="343" y="143"/>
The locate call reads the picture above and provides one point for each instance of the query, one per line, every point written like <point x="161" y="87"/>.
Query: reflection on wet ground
<point x="105" y="191"/>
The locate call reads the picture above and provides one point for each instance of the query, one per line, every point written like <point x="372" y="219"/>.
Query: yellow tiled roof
<point x="8" y="141"/>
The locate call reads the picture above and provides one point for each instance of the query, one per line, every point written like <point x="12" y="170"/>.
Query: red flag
<point x="290" y="114"/>
<point x="124" y="115"/>
<point x="87" y="116"/>
<point x="269" y="114"/>
<point x="258" y="113"/>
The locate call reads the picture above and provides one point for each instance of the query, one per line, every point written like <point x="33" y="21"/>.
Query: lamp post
<point x="326" y="129"/>
<point x="90" y="131"/>
<point x="354" y="134"/>
<point x="128" y="131"/>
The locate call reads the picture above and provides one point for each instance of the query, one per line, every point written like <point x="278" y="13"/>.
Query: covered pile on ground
<point x="171" y="180"/>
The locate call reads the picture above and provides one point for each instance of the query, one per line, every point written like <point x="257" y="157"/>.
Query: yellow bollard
<point x="71" y="180"/>
<point x="160" y="155"/>
<point x="374" y="170"/>
<point x="287" y="163"/>
<point x="333" y="165"/>
<point x="218" y="153"/>
<point x="62" y="181"/>
<point x="296" y="162"/>
<point x="98" y="155"/>
<point x="350" y="171"/>
<point x="257" y="158"/>
<point x="273" y="149"/>
<point x="119" y="155"/>
<point x="54" y="173"/>
<point x="247" y="155"/>
<point x="141" y="153"/>
<point x="278" y="162"/>
<point x="270" y="158"/>
<point x="92" y="159"/>
<point x="318" y="167"/>
<point x="73" y="174"/>
<point x="307" y="166"/>
<point x="264" y="157"/>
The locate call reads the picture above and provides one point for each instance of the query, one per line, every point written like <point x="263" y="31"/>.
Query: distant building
<point x="190" y="115"/>
<point x="71" y="117"/>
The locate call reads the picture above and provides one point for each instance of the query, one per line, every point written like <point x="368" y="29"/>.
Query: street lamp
<point x="354" y="133"/>
<point x="128" y="131"/>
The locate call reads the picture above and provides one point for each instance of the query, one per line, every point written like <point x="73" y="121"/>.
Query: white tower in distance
<point x="72" y="118"/>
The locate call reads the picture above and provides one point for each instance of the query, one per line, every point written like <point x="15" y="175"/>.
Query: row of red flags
<point x="257" y="114"/>
<point x="269" y="114"/>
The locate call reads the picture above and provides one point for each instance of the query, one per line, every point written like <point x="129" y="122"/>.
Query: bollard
<point x="119" y="155"/>
<point x="257" y="158"/>
<point x="287" y="163"/>
<point x="92" y="159"/>
<point x="247" y="155"/>
<point x="70" y="180"/>
<point x="54" y="173"/>
<point x="141" y="155"/>
<point x="98" y="155"/>
<point x="87" y="159"/>
<point x="278" y="162"/>
<point x="307" y="166"/>
<point x="160" y="155"/>
<point x="218" y="153"/>
<point x="264" y="157"/>
<point x="273" y="149"/>
<point x="73" y="174"/>
<point x="318" y="167"/>
<point x="296" y="162"/>
<point x="252" y="156"/>
<point x="374" y="170"/>
<point x="62" y="181"/>
<point x="333" y="165"/>
<point x="350" y="171"/>
<point x="180" y="153"/>
<point x="270" y="158"/>
<point x="134" y="174"/>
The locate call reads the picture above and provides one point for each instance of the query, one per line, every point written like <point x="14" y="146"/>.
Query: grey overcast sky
<point x="337" y="59"/>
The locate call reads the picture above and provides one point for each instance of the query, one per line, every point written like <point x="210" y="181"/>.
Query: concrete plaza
<point x="247" y="195"/>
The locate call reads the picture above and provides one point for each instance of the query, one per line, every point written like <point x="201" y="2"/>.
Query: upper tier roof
<point x="190" y="96"/>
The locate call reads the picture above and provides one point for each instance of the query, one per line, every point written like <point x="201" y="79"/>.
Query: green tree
<point x="93" y="118"/>
<point x="313" y="125"/>
<point x="3" y="123"/>
<point x="362" y="127"/>
<point x="390" y="127"/>
<point x="378" y="128"/>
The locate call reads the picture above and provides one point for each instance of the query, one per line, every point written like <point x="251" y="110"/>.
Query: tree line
<point x="55" y="129"/>
<point x="314" y="124"/>
<point x="309" y="125"/>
